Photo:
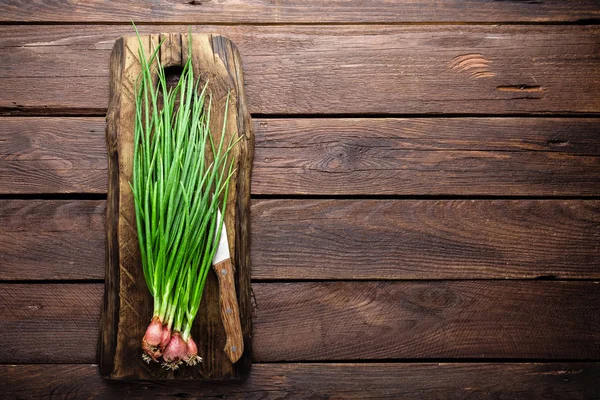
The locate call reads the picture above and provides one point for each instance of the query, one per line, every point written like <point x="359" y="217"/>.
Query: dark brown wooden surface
<point x="50" y="323"/>
<point x="454" y="381"/>
<point x="388" y="156"/>
<point x="408" y="320"/>
<point x="50" y="240"/>
<point x="425" y="239"/>
<point x="53" y="155"/>
<point x="297" y="11"/>
<point x="420" y="236"/>
<point x="357" y="69"/>
<point x="338" y="239"/>
<point x="490" y="156"/>
<point x="127" y="305"/>
<point x="309" y="321"/>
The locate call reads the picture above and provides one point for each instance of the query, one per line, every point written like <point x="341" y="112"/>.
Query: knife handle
<point x="234" y="346"/>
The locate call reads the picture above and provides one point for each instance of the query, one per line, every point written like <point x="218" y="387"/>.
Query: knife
<point x="234" y="346"/>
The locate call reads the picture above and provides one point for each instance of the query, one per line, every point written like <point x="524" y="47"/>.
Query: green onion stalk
<point x="177" y="193"/>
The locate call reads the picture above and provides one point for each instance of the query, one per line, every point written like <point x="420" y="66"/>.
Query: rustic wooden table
<point x="426" y="195"/>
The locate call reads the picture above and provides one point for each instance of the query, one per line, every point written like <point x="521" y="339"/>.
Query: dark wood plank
<point x="217" y="62"/>
<point x="50" y="323"/>
<point x="425" y="239"/>
<point x="379" y="320"/>
<point x="335" y="239"/>
<point x="491" y="156"/>
<point x="53" y="155"/>
<point x="466" y="156"/>
<point x="458" y="381"/>
<point x="51" y="239"/>
<point x="333" y="69"/>
<point x="540" y="320"/>
<point x="297" y="11"/>
<point x="575" y="136"/>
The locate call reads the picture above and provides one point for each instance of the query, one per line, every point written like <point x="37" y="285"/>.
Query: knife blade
<point x="222" y="265"/>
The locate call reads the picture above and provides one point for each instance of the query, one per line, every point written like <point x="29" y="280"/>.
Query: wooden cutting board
<point x="127" y="306"/>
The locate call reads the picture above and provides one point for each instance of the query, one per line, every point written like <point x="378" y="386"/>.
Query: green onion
<point x="177" y="192"/>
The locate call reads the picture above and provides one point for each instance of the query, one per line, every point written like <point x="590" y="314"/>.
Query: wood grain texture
<point x="517" y="69"/>
<point x="127" y="308"/>
<point x="537" y="320"/>
<point x="366" y="63"/>
<point x="49" y="155"/>
<point x="407" y="320"/>
<point x="297" y="11"/>
<point x="506" y="156"/>
<point x="336" y="239"/>
<point x="51" y="239"/>
<point x="425" y="239"/>
<point x="414" y="156"/>
<point x="453" y="381"/>
<point x="50" y="323"/>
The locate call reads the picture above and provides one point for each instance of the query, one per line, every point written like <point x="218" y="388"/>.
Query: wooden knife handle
<point x="230" y="315"/>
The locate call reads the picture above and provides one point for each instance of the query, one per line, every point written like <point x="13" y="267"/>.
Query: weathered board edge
<point x="110" y="305"/>
<point x="107" y="346"/>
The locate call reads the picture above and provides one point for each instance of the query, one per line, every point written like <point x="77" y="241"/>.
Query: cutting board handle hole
<point x="173" y="74"/>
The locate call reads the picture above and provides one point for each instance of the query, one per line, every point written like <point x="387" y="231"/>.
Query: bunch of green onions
<point x="177" y="194"/>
